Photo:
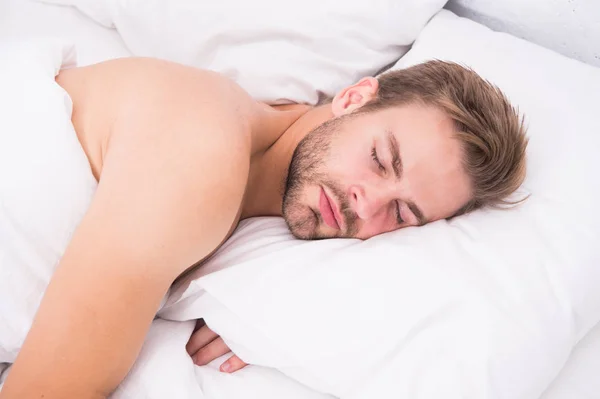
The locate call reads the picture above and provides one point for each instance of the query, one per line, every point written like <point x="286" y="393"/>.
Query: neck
<point x="269" y="168"/>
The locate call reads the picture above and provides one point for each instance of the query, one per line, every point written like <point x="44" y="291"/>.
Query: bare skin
<point x="156" y="212"/>
<point x="181" y="155"/>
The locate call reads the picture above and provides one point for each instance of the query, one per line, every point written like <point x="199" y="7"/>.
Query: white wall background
<point x="570" y="27"/>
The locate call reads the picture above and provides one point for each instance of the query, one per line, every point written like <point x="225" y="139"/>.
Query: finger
<point x="200" y="338"/>
<point x="210" y="352"/>
<point x="233" y="364"/>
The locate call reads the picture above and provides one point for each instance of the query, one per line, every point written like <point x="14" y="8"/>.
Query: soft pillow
<point x="163" y="369"/>
<point x="279" y="51"/>
<point x="488" y="305"/>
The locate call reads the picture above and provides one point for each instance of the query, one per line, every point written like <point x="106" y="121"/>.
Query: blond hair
<point x="490" y="129"/>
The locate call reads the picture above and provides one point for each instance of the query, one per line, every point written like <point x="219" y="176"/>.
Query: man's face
<point x="364" y="174"/>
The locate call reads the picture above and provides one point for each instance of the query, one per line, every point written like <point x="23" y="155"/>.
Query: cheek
<point x="349" y="162"/>
<point x="375" y="227"/>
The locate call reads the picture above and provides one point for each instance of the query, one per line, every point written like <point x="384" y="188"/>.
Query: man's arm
<point x="172" y="182"/>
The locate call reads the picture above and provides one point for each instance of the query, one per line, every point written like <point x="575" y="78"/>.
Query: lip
<point x="329" y="211"/>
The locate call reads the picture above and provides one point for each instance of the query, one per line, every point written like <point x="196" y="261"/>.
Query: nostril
<point x="354" y="194"/>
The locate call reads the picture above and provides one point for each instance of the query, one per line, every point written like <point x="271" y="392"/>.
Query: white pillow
<point x="163" y="369"/>
<point x="279" y="51"/>
<point x="488" y="305"/>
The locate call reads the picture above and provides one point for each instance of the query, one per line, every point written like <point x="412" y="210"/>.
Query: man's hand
<point x="205" y="346"/>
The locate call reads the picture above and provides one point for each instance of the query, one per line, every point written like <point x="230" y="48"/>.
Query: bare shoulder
<point x="180" y="147"/>
<point x="178" y="89"/>
<point x="176" y="139"/>
<point x="150" y="101"/>
<point x="147" y="88"/>
<point x="171" y="140"/>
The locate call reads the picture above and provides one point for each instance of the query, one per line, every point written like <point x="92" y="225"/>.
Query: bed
<point x="154" y="376"/>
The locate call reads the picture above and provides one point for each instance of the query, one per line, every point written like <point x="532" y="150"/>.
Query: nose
<point x="367" y="202"/>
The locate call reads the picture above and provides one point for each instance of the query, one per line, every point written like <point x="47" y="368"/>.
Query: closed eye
<point x="398" y="215"/>
<point x="376" y="160"/>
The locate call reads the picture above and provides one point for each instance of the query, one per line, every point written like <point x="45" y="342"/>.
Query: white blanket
<point x="45" y="181"/>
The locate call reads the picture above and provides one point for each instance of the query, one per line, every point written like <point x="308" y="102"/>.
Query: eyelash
<point x="398" y="216"/>
<point x="376" y="159"/>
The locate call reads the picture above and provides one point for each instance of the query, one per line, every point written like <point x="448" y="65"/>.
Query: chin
<point x="302" y="215"/>
<point x="309" y="228"/>
<point x="303" y="234"/>
<point x="302" y="221"/>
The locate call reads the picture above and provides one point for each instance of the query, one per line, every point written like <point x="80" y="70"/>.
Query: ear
<point x="355" y="96"/>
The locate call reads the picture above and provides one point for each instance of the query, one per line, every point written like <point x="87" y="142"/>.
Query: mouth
<point x="329" y="211"/>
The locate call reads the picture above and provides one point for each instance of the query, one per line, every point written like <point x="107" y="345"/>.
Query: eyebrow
<point x="395" y="150"/>
<point x="398" y="168"/>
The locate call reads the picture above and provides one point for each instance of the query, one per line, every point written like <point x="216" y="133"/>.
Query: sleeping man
<point x="182" y="155"/>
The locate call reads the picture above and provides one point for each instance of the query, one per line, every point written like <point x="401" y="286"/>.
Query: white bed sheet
<point x="26" y="18"/>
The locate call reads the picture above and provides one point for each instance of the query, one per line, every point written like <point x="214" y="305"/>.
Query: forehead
<point x="412" y="121"/>
<point x="433" y="173"/>
<point x="421" y="129"/>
